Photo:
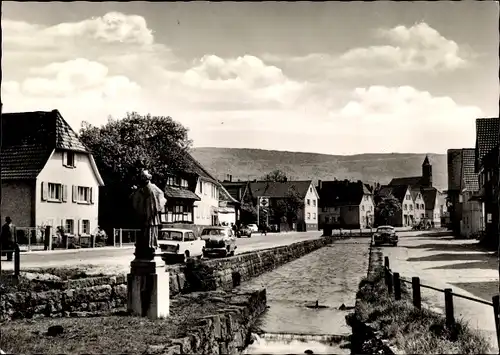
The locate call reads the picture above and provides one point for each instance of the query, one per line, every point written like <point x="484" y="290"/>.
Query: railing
<point x="30" y="238"/>
<point x="17" y="258"/>
<point x="393" y="282"/>
<point x="123" y="236"/>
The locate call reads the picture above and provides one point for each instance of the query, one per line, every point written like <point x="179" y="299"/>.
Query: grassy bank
<point x="409" y="329"/>
<point x="115" y="334"/>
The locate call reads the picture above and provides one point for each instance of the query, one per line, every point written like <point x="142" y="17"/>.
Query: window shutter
<point x="64" y="155"/>
<point x="79" y="226"/>
<point x="75" y="192"/>
<point x="91" y="195"/>
<point x="64" y="193"/>
<point x="45" y="191"/>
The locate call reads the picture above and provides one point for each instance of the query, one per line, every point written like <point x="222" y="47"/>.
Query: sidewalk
<point x="64" y="251"/>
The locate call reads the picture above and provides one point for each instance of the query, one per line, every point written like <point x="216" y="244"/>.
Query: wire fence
<point x="393" y="282"/>
<point x="123" y="236"/>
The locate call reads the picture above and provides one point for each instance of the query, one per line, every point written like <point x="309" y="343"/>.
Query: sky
<point x="325" y="77"/>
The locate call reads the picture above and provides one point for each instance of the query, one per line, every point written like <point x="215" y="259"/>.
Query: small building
<point x="345" y="204"/>
<point x="305" y="219"/>
<point x="49" y="178"/>
<point x="434" y="200"/>
<point x="472" y="220"/>
<point x="405" y="217"/>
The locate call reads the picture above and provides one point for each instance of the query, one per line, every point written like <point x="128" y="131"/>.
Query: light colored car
<point x="253" y="228"/>
<point x="385" y="235"/>
<point x="219" y="241"/>
<point x="178" y="245"/>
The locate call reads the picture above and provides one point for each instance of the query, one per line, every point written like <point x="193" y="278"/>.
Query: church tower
<point x="426" y="173"/>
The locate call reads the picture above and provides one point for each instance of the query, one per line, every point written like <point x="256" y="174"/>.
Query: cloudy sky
<point x="333" y="77"/>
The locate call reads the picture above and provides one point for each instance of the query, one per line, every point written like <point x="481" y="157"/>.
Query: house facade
<point x="405" y="217"/>
<point x="419" y="212"/>
<point x="305" y="218"/>
<point x="49" y="178"/>
<point x="345" y="204"/>
<point x="434" y="200"/>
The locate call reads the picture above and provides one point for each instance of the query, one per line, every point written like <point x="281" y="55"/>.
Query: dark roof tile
<point x="278" y="189"/>
<point x="411" y="181"/>
<point x="341" y="193"/>
<point x="487" y="137"/>
<point x="429" y="194"/>
<point x="177" y="192"/>
<point x="470" y="178"/>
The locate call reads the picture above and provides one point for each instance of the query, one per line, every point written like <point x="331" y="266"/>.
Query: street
<point x="111" y="260"/>
<point x="444" y="262"/>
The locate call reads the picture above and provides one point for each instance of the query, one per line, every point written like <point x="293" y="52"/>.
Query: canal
<point x="308" y="300"/>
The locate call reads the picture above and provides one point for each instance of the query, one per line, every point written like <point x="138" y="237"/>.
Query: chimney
<point x="320" y="184"/>
<point x="230" y="178"/>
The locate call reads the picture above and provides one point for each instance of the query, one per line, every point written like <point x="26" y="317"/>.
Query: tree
<point x="121" y="148"/>
<point x="386" y="209"/>
<point x="275" y="175"/>
<point x="285" y="210"/>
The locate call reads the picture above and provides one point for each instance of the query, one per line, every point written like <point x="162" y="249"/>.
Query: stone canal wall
<point x="66" y="298"/>
<point x="226" y="331"/>
<point x="229" y="272"/>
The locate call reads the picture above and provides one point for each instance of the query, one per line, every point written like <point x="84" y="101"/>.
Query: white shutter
<point x="75" y="192"/>
<point x="64" y="156"/>
<point x="64" y="193"/>
<point x="45" y="191"/>
<point x="91" y="191"/>
<point x="79" y="230"/>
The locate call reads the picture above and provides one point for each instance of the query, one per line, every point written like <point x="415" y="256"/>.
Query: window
<point x="362" y="207"/>
<point x="177" y="213"/>
<point x="201" y="187"/>
<point x="411" y="207"/>
<point x="408" y="197"/>
<point x="189" y="236"/>
<point x="69" y="159"/>
<point x="83" y="194"/>
<point x="363" y="219"/>
<point x="311" y="189"/>
<point x="325" y="209"/>
<point x="85" y="226"/>
<point x="421" y="215"/>
<point x="371" y="208"/>
<point x="314" y="215"/>
<point x="69" y="226"/>
<point x="314" y="203"/>
<point x="308" y="202"/>
<point x="55" y="191"/>
<point x="308" y="215"/>
<point x="406" y="207"/>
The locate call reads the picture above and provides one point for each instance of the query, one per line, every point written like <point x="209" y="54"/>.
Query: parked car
<point x="245" y="232"/>
<point x="219" y="241"/>
<point x="385" y="235"/>
<point x="178" y="245"/>
<point x="253" y="228"/>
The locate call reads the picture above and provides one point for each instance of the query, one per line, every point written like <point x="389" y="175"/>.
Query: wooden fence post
<point x="17" y="260"/>
<point x="121" y="238"/>
<point x="397" y="286"/>
<point x="496" y="310"/>
<point x="389" y="282"/>
<point x="448" y="305"/>
<point x="386" y="262"/>
<point x="114" y="237"/>
<point x="417" y="297"/>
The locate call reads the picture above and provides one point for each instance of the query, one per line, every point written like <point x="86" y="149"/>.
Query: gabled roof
<point x="342" y="193"/>
<point x="469" y="177"/>
<point x="224" y="195"/>
<point x="487" y="137"/>
<point x="233" y="188"/>
<point x="179" y="192"/>
<point x="195" y="167"/>
<point x="429" y="194"/>
<point x="28" y="139"/>
<point x="398" y="191"/>
<point x="408" y="181"/>
<point x="414" y="193"/>
<point x="275" y="189"/>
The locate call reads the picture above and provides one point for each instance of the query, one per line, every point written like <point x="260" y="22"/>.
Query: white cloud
<point x="418" y="48"/>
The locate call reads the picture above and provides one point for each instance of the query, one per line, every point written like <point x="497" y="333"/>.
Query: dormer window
<point x="69" y="159"/>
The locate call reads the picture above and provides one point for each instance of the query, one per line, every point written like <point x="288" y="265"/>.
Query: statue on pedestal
<point x="148" y="201"/>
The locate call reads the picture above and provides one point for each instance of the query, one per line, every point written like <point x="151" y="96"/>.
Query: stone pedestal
<point x="147" y="292"/>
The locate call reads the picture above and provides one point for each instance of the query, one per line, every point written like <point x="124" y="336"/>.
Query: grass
<point x="118" y="334"/>
<point x="411" y="330"/>
<point x="40" y="284"/>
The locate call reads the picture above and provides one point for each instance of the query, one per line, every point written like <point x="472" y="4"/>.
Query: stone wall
<point x="66" y="298"/>
<point x="226" y="331"/>
<point x="227" y="273"/>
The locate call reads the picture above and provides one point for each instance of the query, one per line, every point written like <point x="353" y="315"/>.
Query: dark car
<point x="385" y="235"/>
<point x="219" y="241"/>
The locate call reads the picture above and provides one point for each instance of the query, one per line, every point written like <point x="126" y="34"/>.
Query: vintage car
<point x="244" y="232"/>
<point x="178" y="245"/>
<point x="219" y="241"/>
<point x="385" y="235"/>
<point x="253" y="227"/>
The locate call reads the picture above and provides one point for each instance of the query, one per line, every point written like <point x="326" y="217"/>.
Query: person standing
<point x="8" y="237"/>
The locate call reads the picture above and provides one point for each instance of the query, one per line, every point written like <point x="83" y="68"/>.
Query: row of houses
<point x="473" y="176"/>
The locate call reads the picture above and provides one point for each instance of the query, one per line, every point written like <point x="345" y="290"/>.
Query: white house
<point x="49" y="178"/>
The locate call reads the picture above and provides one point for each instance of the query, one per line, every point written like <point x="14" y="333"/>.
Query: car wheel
<point x="186" y="256"/>
<point x="395" y="244"/>
<point x="250" y="235"/>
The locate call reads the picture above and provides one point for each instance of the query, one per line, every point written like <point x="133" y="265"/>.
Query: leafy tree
<point x="386" y="209"/>
<point x="122" y="148"/>
<point x="285" y="209"/>
<point x="275" y="175"/>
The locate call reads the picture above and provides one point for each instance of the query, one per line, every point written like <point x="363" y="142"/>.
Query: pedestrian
<point x="263" y="229"/>
<point x="8" y="238"/>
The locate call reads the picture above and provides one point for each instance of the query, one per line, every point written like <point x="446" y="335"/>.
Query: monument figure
<point x="148" y="201"/>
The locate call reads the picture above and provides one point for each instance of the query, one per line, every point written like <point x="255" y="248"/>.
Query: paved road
<point x="110" y="259"/>
<point x="444" y="262"/>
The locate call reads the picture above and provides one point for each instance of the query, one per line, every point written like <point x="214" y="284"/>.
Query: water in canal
<point x="293" y="324"/>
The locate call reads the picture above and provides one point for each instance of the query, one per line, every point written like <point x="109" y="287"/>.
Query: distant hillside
<point x="247" y="164"/>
